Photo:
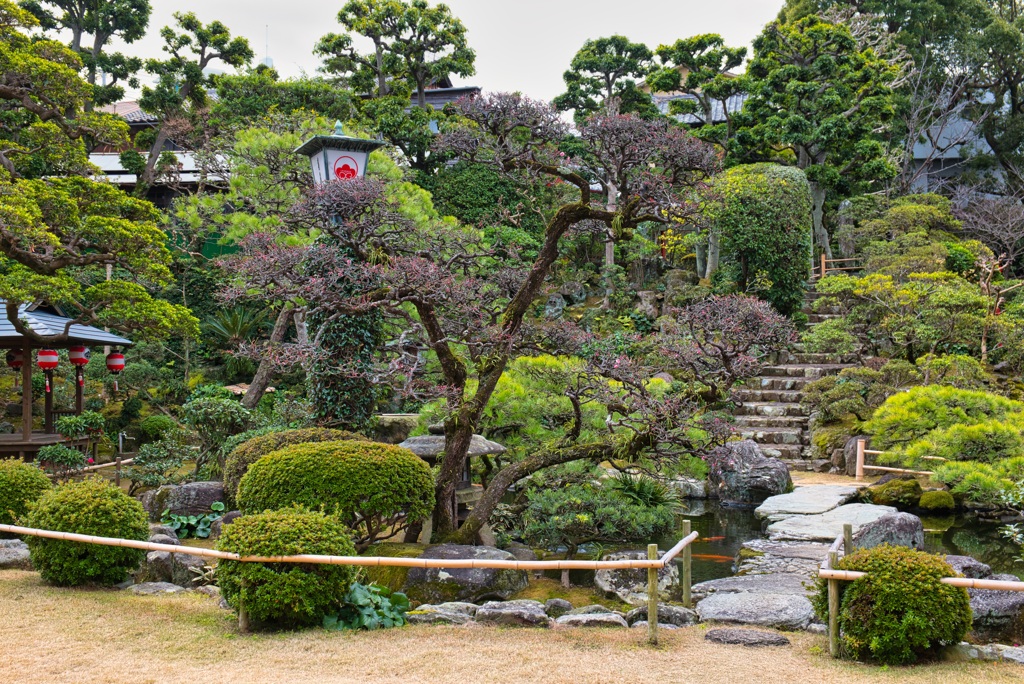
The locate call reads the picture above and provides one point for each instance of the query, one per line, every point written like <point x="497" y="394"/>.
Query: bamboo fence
<point x="863" y="451"/>
<point x="834" y="577"/>
<point x="652" y="563"/>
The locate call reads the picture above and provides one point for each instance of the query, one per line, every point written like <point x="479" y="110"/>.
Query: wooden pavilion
<point x="47" y="322"/>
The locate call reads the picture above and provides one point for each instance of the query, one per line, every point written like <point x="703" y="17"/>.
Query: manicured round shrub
<point x="96" y="507"/>
<point x="20" y="484"/>
<point x="899" y="612"/>
<point x="373" y="488"/>
<point x="285" y="594"/>
<point x="252" y="450"/>
<point x="937" y="500"/>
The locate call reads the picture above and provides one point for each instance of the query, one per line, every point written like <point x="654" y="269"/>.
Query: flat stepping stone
<point x="809" y="500"/>
<point x="746" y="637"/>
<point x="518" y="613"/>
<point x="592" y="620"/>
<point x="778" y="611"/>
<point x="155" y="588"/>
<point x="763" y="557"/>
<point x="776" y="583"/>
<point x="827" y="526"/>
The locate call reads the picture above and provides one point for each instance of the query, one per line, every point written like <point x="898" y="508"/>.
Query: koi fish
<point x="712" y="557"/>
<point x="711" y="539"/>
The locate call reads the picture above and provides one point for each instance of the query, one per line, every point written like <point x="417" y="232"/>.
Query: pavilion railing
<point x="652" y="563"/>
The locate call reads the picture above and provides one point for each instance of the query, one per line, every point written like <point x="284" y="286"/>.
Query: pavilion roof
<point x="49" y="322"/>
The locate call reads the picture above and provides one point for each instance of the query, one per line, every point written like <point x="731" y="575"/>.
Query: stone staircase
<point x="768" y="409"/>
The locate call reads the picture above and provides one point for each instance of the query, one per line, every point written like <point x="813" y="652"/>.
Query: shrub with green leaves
<point x="95" y="507"/>
<point x="214" y="419"/>
<point x="369" y="607"/>
<point x="248" y="452"/>
<point x="285" y="594"/>
<point x="858" y="390"/>
<point x="900" y="611"/>
<point x="155" y="428"/>
<point x="159" y="463"/>
<point x="832" y="336"/>
<point x="61" y="460"/>
<point x="372" y="488"/>
<point x="20" y="484"/>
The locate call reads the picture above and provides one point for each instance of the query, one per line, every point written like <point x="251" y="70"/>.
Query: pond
<point x="724" y="529"/>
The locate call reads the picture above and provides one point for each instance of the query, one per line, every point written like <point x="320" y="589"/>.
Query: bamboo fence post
<point x="824" y="266"/>
<point x="860" y="459"/>
<point x="687" y="562"/>
<point x="833" y="608"/>
<point x="117" y="472"/>
<point x="847" y="539"/>
<point x="652" y="597"/>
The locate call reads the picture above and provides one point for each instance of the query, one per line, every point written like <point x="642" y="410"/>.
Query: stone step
<point x="786" y="452"/>
<point x="776" y="435"/>
<point x="784" y="396"/>
<point x="779" y="383"/>
<point x="804" y="370"/>
<point x="769" y="408"/>
<point x="815" y="318"/>
<point x="753" y="421"/>
<point x="814" y="359"/>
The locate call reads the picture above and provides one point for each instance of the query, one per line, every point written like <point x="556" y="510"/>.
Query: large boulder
<point x="903" y="493"/>
<point x="850" y="454"/>
<point x="440" y="585"/>
<point x="14" y="555"/>
<point x="573" y="292"/>
<point x="557" y="607"/>
<point x="631" y="585"/>
<point x="194" y="498"/>
<point x="740" y="474"/>
<point x="777" y="611"/>
<point x="522" y="613"/>
<point x="667" y="615"/>
<point x="998" y="615"/>
<point x="895" y="529"/>
<point x="969" y="567"/>
<point x="181" y="569"/>
<point x="394" y="428"/>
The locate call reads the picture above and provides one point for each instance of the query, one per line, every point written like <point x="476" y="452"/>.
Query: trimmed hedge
<point x="899" y="612"/>
<point x="92" y="506"/>
<point x="285" y="594"/>
<point x="20" y="484"/>
<point x="373" y="488"/>
<point x="251" y="450"/>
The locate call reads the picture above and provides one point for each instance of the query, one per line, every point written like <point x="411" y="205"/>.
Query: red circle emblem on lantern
<point x="15" y="359"/>
<point x="115" y="362"/>
<point x="345" y="168"/>
<point x="47" y="359"/>
<point x="79" y="355"/>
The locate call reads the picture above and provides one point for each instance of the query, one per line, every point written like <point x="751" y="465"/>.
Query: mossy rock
<point x="389" y="576"/>
<point x="936" y="500"/>
<point x="903" y="494"/>
<point x="828" y="438"/>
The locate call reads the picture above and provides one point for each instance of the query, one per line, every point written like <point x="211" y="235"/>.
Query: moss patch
<point x="937" y="500"/>
<point x="391" y="577"/>
<point x="903" y="494"/>
<point x="545" y="588"/>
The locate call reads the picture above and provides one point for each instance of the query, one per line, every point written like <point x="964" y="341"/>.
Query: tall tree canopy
<point x="101" y="22"/>
<point x="817" y="100"/>
<point x="605" y="74"/>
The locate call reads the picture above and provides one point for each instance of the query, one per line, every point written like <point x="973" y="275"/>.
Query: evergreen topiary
<point x="248" y="452"/>
<point x="94" y="507"/>
<point x="373" y="488"/>
<point x="899" y="612"/>
<point x="285" y="594"/>
<point x="20" y="484"/>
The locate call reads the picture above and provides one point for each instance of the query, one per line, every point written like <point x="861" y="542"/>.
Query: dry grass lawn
<point x="75" y="635"/>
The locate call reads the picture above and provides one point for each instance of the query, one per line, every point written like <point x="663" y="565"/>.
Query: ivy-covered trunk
<point x="818" y="216"/>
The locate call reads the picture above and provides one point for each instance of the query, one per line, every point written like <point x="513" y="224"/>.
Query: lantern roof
<point x="48" y="321"/>
<point x="338" y="141"/>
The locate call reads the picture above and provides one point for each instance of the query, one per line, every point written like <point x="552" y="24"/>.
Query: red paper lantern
<point x="79" y="355"/>
<point x="47" y="359"/>
<point x="15" y="359"/>
<point x="115" y="364"/>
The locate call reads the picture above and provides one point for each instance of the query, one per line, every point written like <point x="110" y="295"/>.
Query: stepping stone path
<point x="778" y="611"/>
<point x="826" y="526"/>
<point x="746" y="637"/>
<point x="771" y="412"/>
<point x="810" y="500"/>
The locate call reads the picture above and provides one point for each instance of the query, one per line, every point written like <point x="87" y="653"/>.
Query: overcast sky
<point x="521" y="45"/>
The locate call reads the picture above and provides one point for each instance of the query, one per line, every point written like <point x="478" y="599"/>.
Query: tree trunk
<point x="609" y="248"/>
<point x="262" y="378"/>
<point x="714" y="253"/>
<point x="301" y="327"/>
<point x="457" y="433"/>
<point x="570" y="553"/>
<point x="143" y="184"/>
<point x="818" y="215"/>
<point x="701" y="254"/>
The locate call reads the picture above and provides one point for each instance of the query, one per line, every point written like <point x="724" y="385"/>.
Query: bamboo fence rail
<point x="652" y="563"/>
<point x="863" y="451"/>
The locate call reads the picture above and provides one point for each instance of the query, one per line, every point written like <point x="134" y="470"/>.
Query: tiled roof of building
<point x="130" y="111"/>
<point x="732" y="105"/>
<point x="51" y="323"/>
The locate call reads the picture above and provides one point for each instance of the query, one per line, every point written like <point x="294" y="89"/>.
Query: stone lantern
<point x="338" y="156"/>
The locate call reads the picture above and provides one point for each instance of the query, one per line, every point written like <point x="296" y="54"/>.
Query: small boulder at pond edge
<point x="738" y="473"/>
<point x="746" y="637"/>
<point x="440" y="585"/>
<point x="938" y="500"/>
<point x="903" y="494"/>
<point x="672" y="615"/>
<point x="896" y="529"/>
<point x="557" y="607"/>
<point x="519" y="613"/>
<point x="631" y="585"/>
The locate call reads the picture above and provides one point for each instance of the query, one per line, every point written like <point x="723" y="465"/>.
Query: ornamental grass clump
<point x="374" y="489"/>
<point x="899" y="612"/>
<point x="248" y="452"/>
<point x="20" y="484"/>
<point x="286" y="594"/>
<point x="94" y="507"/>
